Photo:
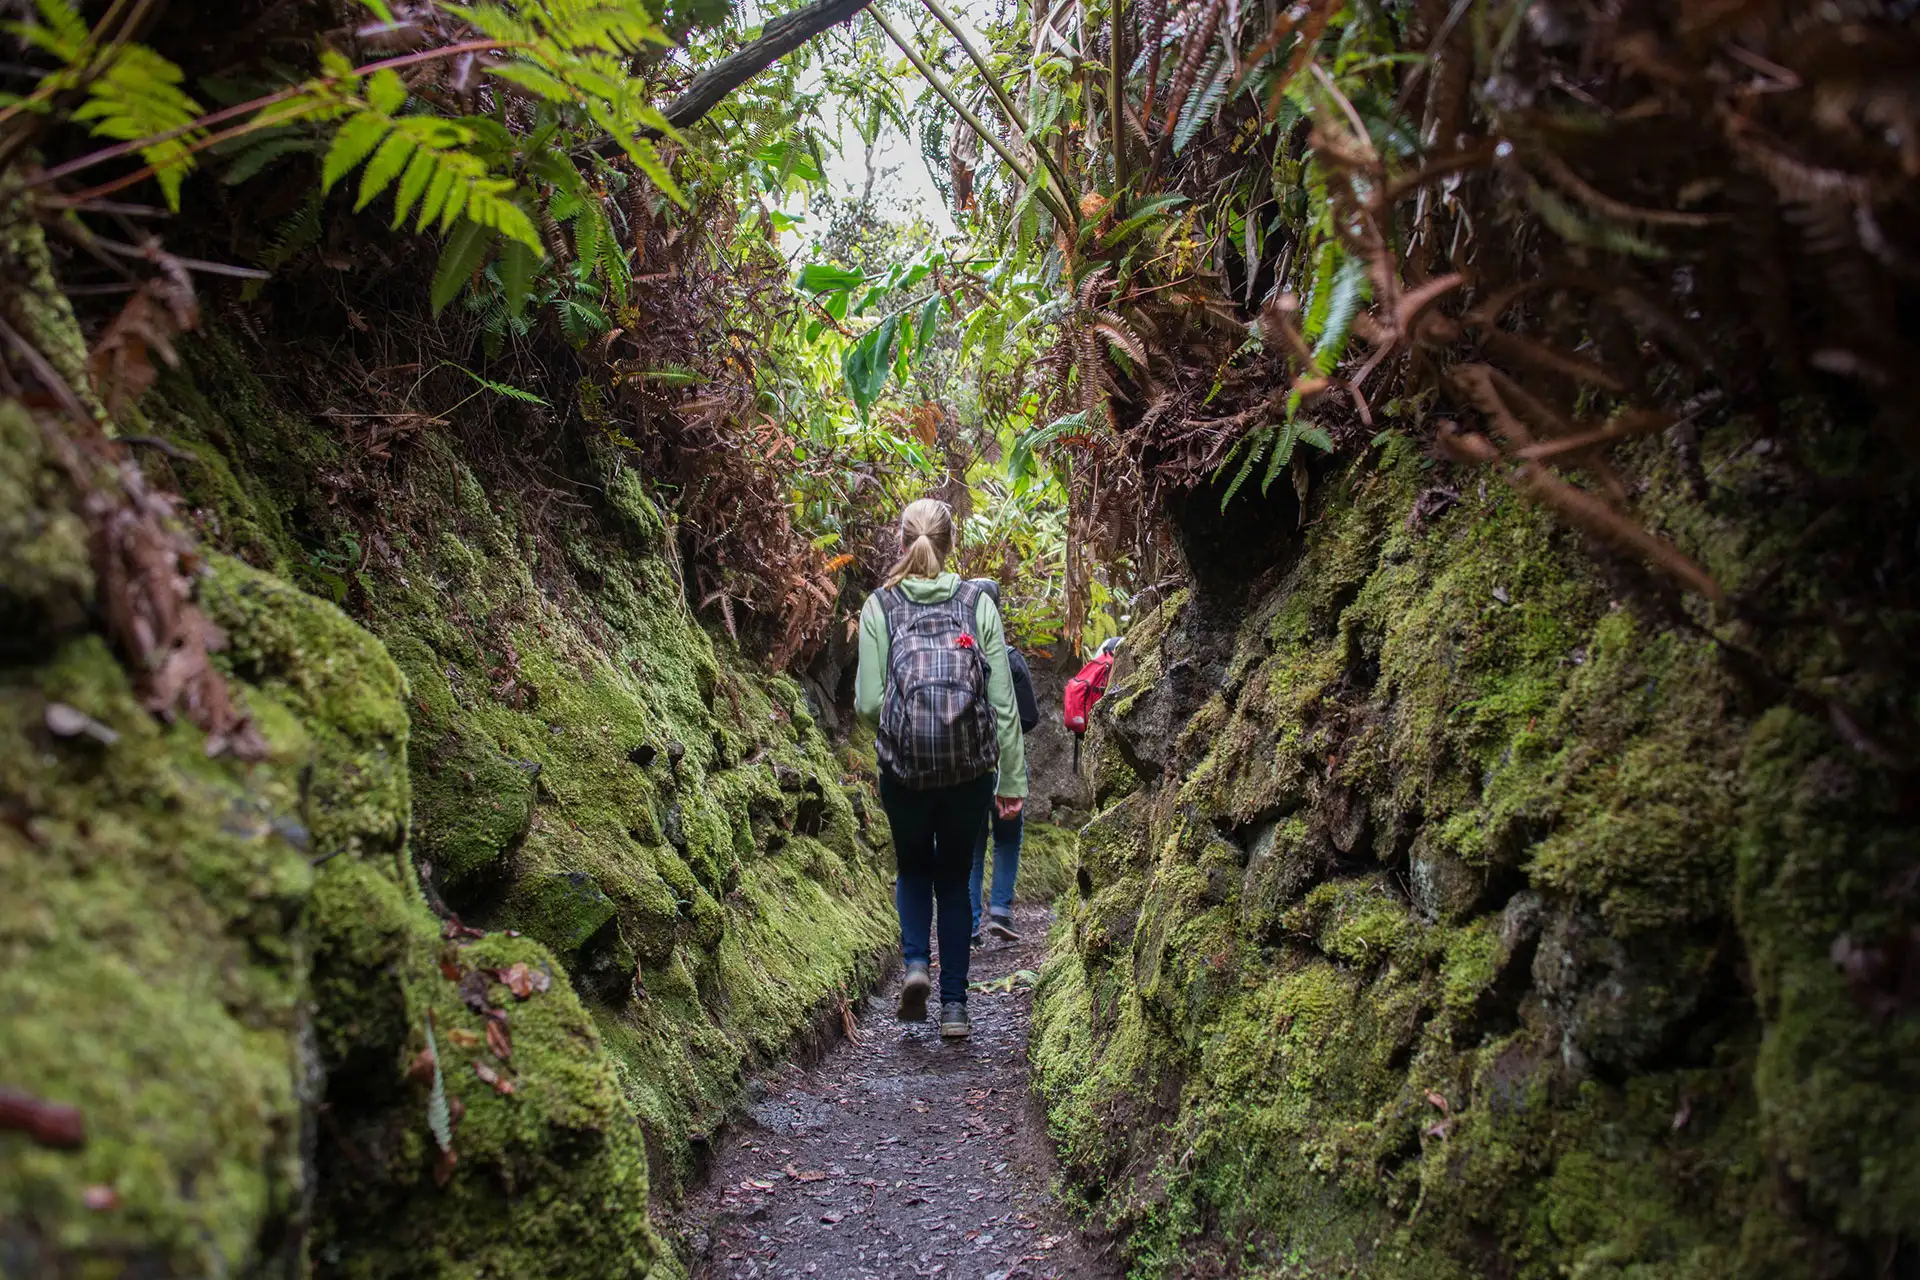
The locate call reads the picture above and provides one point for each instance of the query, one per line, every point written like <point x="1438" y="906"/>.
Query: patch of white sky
<point x="902" y="186"/>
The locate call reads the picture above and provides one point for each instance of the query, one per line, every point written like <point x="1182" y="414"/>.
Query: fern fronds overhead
<point x="438" y="177"/>
<point x="132" y="92"/>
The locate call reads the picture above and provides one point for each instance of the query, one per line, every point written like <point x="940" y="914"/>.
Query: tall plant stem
<point x="1055" y="206"/>
<point x="1117" y="102"/>
<point x="1015" y="116"/>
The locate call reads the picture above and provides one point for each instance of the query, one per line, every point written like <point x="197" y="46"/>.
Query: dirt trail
<point x="899" y="1155"/>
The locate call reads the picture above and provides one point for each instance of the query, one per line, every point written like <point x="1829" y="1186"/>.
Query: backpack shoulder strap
<point x="967" y="598"/>
<point x="892" y="601"/>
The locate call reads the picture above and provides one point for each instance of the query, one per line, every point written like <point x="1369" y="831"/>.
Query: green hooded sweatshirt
<point x="870" y="685"/>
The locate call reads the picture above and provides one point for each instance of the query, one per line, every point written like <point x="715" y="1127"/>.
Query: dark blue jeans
<point x="1006" y="864"/>
<point x="933" y="832"/>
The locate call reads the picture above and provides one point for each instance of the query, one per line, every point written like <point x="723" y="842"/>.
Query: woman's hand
<point x="1008" y="807"/>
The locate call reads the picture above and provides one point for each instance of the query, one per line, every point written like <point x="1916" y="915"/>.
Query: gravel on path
<point x="900" y="1155"/>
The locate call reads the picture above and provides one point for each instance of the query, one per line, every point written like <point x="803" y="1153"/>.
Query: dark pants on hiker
<point x="1006" y="833"/>
<point x="933" y="837"/>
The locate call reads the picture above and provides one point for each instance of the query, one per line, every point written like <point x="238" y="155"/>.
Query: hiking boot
<point x="913" y="995"/>
<point x="1001" y="926"/>
<point x="954" y="1023"/>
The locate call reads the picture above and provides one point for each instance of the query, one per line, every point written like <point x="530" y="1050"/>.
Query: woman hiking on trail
<point x="934" y="680"/>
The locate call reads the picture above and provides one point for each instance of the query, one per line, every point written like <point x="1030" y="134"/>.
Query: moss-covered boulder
<point x="151" y="903"/>
<point x="449" y="983"/>
<point x="587" y="768"/>
<point x="1465" y="921"/>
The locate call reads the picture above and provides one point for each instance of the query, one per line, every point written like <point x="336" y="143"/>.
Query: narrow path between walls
<point x="899" y="1155"/>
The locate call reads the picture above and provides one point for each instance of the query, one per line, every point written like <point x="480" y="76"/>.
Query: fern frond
<point x="137" y="96"/>
<point x="297" y="233"/>
<point x="1199" y="108"/>
<point x="1282" y="454"/>
<point x="1351" y="287"/>
<point x="506" y="389"/>
<point x="460" y="261"/>
<point x="439" y="1112"/>
<point x="259" y="152"/>
<point x="1122" y="335"/>
<point x="438" y="178"/>
<point x="1256" y="445"/>
<point x="1320" y="294"/>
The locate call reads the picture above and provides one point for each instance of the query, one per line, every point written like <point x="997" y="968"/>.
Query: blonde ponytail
<point x="926" y="540"/>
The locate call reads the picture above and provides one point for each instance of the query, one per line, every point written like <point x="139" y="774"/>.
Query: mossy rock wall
<point x="489" y="756"/>
<point x="1448" y="918"/>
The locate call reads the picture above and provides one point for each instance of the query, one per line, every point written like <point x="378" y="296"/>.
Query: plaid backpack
<point x="936" y="725"/>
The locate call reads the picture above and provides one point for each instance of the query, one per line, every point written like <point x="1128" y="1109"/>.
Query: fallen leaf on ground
<point x="492" y="1077"/>
<point x="832" y="1216"/>
<point x="64" y="721"/>
<point x="443" y="1169"/>
<point x="463" y="1038"/>
<point x="420" y="1071"/>
<point x="1019" y="979"/>
<point x="804" y="1175"/>
<point x="473" y="991"/>
<point x="497" y="1038"/>
<point x="519" y="980"/>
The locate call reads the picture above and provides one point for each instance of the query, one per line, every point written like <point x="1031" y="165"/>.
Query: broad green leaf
<point x="518" y="264"/>
<point x="465" y="251"/>
<point x="821" y="277"/>
<point x="901" y="360"/>
<point x="929" y="321"/>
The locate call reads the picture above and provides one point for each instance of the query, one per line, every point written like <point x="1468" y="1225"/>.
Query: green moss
<point x="1832" y="1073"/>
<point x="1512" y="853"/>
<point x="1361" y="922"/>
<point x="149" y="902"/>
<point x="669" y="832"/>
<point x="43" y="543"/>
<point x="1048" y="857"/>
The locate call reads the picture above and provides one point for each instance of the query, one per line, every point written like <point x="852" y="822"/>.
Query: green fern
<point x="298" y="232"/>
<point x="1256" y="444"/>
<point x="506" y="389"/>
<point x="1282" y="454"/>
<point x="439" y="1112"/>
<point x="573" y="54"/>
<point x="255" y="153"/>
<point x="1200" y="106"/>
<point x="1320" y="293"/>
<point x="1350" y="289"/>
<point x="438" y="178"/>
<point x="581" y="319"/>
<point x="133" y="94"/>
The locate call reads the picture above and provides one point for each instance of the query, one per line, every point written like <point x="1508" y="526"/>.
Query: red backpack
<point x="1083" y="691"/>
